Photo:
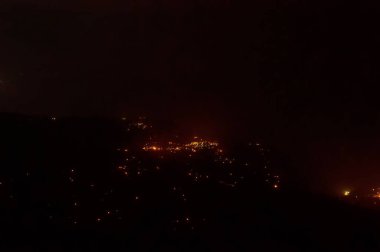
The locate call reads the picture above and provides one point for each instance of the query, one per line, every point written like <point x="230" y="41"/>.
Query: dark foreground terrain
<point x="89" y="185"/>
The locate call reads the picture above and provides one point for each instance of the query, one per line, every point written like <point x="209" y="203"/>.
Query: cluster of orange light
<point x="192" y="146"/>
<point x="152" y="148"/>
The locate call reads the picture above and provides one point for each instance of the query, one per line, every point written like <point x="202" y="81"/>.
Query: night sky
<point x="300" y="75"/>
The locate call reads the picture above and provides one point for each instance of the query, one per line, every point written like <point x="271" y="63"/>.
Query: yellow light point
<point x="346" y="193"/>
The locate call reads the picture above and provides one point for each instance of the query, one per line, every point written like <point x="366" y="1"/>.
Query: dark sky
<point x="302" y="75"/>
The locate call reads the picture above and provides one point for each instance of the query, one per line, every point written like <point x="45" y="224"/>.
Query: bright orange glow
<point x="346" y="193"/>
<point x="376" y="195"/>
